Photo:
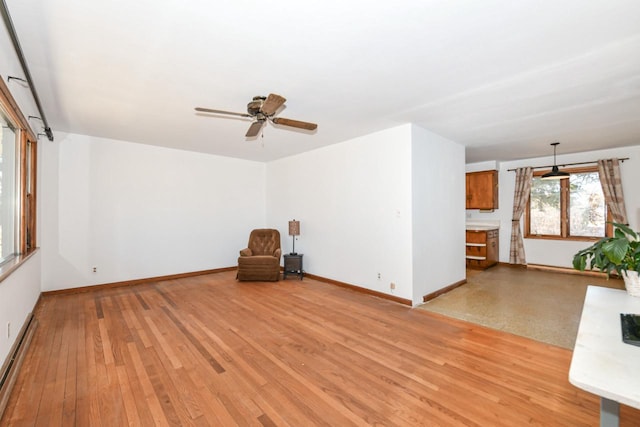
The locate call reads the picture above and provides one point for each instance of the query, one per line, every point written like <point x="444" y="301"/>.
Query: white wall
<point x="18" y="295"/>
<point x="138" y="211"/>
<point x="353" y="201"/>
<point x="391" y="203"/>
<point x="554" y="252"/>
<point x="438" y="193"/>
<point x="481" y="166"/>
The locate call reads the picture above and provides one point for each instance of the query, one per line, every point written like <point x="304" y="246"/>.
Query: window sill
<point x="13" y="264"/>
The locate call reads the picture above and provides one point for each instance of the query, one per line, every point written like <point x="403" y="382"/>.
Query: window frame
<point x="564" y="211"/>
<point x="26" y="175"/>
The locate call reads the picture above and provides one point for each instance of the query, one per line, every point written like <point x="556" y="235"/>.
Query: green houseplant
<point x="619" y="253"/>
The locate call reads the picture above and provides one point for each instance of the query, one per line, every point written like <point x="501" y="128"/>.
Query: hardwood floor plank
<point x="208" y="350"/>
<point x="233" y="357"/>
<point x="47" y="409"/>
<point x="266" y="421"/>
<point x="70" y="378"/>
<point x="111" y="406"/>
<point x="128" y="397"/>
<point x="82" y="403"/>
<point x="150" y="398"/>
<point x="95" y="360"/>
<point x="155" y="372"/>
<point x="197" y="344"/>
<point x="164" y="346"/>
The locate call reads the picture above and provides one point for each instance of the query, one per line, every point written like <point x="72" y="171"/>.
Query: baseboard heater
<point x="12" y="365"/>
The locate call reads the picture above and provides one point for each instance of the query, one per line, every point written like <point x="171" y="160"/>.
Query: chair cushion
<point x="264" y="241"/>
<point x="258" y="260"/>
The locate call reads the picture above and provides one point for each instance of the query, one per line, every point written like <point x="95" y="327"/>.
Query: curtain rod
<point x="23" y="62"/>
<point x="567" y="164"/>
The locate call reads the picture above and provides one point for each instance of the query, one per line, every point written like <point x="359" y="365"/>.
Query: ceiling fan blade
<point x="272" y="103"/>
<point x="255" y="128"/>
<point x="295" y="123"/>
<point x="231" y="113"/>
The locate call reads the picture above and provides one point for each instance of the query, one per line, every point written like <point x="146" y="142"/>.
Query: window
<point x="7" y="188"/>
<point x="571" y="208"/>
<point x="18" y="151"/>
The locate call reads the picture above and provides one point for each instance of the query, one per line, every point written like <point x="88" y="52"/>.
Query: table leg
<point x="609" y="413"/>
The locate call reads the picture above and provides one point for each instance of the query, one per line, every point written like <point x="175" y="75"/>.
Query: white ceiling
<point x="503" y="77"/>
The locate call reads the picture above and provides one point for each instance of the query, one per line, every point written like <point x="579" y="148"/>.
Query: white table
<point x="602" y="364"/>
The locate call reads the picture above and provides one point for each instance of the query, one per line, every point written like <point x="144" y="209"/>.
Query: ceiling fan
<point x="262" y="109"/>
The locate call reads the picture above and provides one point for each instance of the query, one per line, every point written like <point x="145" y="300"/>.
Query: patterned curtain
<point x="520" y="198"/>
<point x="609" y="171"/>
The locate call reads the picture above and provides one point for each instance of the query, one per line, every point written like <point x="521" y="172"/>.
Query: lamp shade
<point x="294" y="228"/>
<point x="555" y="172"/>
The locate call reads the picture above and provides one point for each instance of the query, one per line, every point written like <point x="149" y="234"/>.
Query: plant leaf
<point x="579" y="262"/>
<point x="615" y="249"/>
<point x="625" y="229"/>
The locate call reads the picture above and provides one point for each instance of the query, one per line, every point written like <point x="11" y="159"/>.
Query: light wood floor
<point x="208" y="351"/>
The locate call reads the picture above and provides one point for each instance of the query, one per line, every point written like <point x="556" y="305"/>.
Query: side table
<point x="293" y="265"/>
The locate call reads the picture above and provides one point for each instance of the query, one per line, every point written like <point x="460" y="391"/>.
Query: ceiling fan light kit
<point x="555" y="172"/>
<point x="263" y="109"/>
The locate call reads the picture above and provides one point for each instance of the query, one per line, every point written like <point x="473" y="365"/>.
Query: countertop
<point x="602" y="364"/>
<point x="486" y="225"/>
<point x="481" y="227"/>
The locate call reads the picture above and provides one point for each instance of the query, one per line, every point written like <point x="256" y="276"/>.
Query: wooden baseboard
<point x="506" y="264"/>
<point x="444" y="290"/>
<point x="360" y="289"/>
<point x="137" y="281"/>
<point x="11" y="366"/>
<point x="220" y="270"/>
<point x="566" y="270"/>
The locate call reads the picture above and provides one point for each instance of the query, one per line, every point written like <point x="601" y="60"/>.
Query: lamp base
<point x="293" y="253"/>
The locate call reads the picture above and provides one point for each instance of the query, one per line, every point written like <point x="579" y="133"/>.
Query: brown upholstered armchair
<point x="261" y="259"/>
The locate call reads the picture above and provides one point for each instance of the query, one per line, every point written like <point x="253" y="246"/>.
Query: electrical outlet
<point x="8" y="329"/>
<point x="379" y="276"/>
<point x="95" y="269"/>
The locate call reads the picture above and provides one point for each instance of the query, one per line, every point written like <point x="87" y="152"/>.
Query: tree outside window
<point x="571" y="208"/>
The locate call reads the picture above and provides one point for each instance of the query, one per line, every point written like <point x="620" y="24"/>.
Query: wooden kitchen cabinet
<point x="482" y="190"/>
<point x="482" y="248"/>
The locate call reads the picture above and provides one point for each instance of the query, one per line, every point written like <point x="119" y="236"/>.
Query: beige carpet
<point x="541" y="305"/>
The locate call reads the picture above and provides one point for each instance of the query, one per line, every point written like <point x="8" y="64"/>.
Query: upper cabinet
<point x="482" y="190"/>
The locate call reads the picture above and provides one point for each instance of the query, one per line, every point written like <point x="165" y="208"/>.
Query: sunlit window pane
<point x="545" y="207"/>
<point x="587" y="211"/>
<point x="7" y="189"/>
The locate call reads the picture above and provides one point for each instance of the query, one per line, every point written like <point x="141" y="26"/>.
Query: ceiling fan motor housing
<point x="255" y="106"/>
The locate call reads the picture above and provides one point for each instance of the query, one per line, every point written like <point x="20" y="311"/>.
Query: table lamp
<point x="294" y="230"/>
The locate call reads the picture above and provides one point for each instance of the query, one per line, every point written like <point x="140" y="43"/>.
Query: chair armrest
<point x="246" y="252"/>
<point x="277" y="253"/>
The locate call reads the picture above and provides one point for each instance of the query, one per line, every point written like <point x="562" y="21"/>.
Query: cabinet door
<point x="474" y="236"/>
<point x="482" y="190"/>
<point x="493" y="251"/>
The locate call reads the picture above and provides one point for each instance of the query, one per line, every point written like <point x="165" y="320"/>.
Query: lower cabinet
<point x="482" y="248"/>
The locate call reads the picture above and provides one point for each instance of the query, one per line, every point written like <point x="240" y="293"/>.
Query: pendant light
<point x="555" y="172"/>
